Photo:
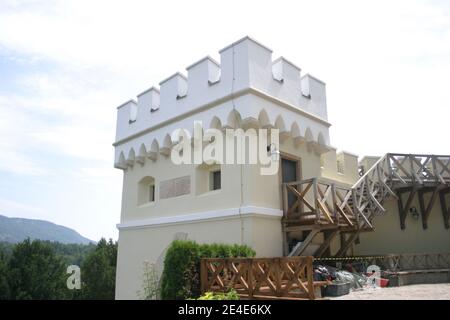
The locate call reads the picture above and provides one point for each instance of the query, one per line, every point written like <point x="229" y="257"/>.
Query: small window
<point x="215" y="180"/>
<point x="208" y="177"/>
<point x="146" y="190"/>
<point x="151" y="193"/>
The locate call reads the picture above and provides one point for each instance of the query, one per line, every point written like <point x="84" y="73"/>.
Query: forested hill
<point x="14" y="230"/>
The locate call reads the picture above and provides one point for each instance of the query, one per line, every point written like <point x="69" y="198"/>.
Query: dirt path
<point x="412" y="292"/>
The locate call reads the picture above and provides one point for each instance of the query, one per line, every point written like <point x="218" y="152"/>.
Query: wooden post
<point x="444" y="207"/>
<point x="310" y="277"/>
<point x="389" y="167"/>
<point x="285" y="239"/>
<point x="285" y="201"/>
<point x="404" y="208"/>
<point x="333" y="197"/>
<point x="285" y="243"/>
<point x="250" y="283"/>
<point x="277" y="266"/>
<point x="426" y="209"/>
<point x="356" y="211"/>
<point x="203" y="276"/>
<point x="315" y="199"/>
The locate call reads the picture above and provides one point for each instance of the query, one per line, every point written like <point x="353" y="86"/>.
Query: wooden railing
<point x="396" y="262"/>
<point x="319" y="202"/>
<point x="397" y="170"/>
<point x="419" y="168"/>
<point x="260" y="278"/>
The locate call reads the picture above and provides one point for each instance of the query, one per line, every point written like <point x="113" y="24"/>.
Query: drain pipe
<point x="241" y="202"/>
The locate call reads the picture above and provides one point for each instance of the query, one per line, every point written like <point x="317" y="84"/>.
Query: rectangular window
<point x="151" y="193"/>
<point x="215" y="180"/>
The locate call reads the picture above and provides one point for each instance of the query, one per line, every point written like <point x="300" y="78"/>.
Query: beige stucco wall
<point x="389" y="238"/>
<point x="259" y="190"/>
<point x="163" y="169"/>
<point x="150" y="243"/>
<point x="261" y="232"/>
<point x="348" y="175"/>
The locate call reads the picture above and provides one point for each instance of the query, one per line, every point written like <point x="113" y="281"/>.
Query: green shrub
<point x="231" y="295"/>
<point x="181" y="274"/>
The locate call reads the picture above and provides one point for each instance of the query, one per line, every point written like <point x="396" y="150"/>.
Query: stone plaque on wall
<point x="175" y="187"/>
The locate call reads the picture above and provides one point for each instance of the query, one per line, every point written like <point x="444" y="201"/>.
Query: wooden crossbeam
<point x="383" y="182"/>
<point x="366" y="220"/>
<point x="425" y="209"/>
<point x="347" y="243"/>
<point x="349" y="222"/>
<point x="298" y="249"/>
<point x="325" y="196"/>
<point x="400" y="165"/>
<point x="325" y="211"/>
<point x="329" y="236"/>
<point x="302" y="195"/>
<point x="422" y="166"/>
<point x="375" y="201"/>
<point x="445" y="167"/>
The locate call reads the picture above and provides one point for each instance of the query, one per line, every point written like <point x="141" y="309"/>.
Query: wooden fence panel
<point x="279" y="278"/>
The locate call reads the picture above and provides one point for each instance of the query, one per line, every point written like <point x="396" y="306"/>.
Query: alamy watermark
<point x="74" y="280"/>
<point x="240" y="146"/>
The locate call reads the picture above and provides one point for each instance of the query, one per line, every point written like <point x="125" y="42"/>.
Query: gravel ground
<point x="411" y="292"/>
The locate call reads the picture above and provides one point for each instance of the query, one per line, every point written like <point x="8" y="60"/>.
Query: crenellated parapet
<point x="340" y="166"/>
<point x="246" y="88"/>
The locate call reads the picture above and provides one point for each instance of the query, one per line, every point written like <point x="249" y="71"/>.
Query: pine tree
<point x="36" y="272"/>
<point x="98" y="272"/>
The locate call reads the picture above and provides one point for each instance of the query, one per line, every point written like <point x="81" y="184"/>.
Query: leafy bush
<point x="181" y="274"/>
<point x="231" y="295"/>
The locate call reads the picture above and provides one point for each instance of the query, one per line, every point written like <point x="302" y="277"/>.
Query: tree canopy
<point x="37" y="270"/>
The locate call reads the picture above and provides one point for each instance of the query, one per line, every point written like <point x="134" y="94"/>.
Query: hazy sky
<point x="66" y="65"/>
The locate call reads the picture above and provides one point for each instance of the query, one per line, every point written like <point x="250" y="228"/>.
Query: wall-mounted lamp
<point x="414" y="213"/>
<point x="274" y="152"/>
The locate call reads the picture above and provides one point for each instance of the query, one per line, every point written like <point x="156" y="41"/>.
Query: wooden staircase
<point x="324" y="206"/>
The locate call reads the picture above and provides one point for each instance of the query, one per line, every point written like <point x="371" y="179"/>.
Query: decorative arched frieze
<point x="234" y="120"/>
<point x="264" y="121"/>
<point x="142" y="154"/>
<point x="167" y="145"/>
<point x="131" y="157"/>
<point x="154" y="150"/>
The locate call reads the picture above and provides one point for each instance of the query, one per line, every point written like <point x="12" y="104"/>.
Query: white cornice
<point x="224" y="214"/>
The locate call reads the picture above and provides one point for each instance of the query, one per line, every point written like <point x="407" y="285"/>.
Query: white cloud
<point x="79" y="141"/>
<point x="14" y="141"/>
<point x="16" y="209"/>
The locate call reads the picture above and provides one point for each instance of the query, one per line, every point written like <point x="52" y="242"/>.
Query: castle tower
<point x="229" y="203"/>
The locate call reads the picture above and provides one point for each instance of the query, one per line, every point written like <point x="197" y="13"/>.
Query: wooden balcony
<point x="315" y="205"/>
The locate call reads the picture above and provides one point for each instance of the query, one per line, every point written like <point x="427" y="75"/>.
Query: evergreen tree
<point x="4" y="286"/>
<point x="36" y="272"/>
<point x="98" y="272"/>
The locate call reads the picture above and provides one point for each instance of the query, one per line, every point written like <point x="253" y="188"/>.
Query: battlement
<point x="246" y="66"/>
